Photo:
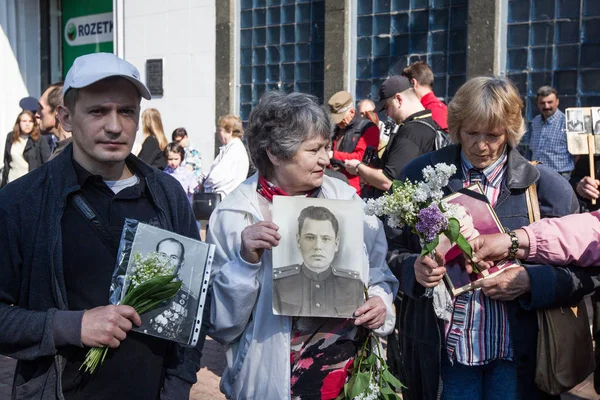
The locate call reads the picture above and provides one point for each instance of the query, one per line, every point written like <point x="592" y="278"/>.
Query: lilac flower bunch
<point x="419" y="205"/>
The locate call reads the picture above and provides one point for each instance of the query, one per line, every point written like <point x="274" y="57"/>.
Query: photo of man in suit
<point x="175" y="320"/>
<point x="575" y="121"/>
<point x="317" y="287"/>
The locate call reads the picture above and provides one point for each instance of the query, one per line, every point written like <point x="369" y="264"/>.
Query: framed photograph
<point x="575" y="120"/>
<point x="480" y="219"/>
<point x="596" y="120"/>
<point x="320" y="264"/>
<point x="180" y="318"/>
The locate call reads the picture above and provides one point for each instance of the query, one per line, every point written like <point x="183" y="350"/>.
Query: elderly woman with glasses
<point x="274" y="356"/>
<point x="486" y="347"/>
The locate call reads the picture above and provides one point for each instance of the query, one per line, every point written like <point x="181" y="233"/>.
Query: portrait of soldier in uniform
<point x="178" y="315"/>
<point x="317" y="287"/>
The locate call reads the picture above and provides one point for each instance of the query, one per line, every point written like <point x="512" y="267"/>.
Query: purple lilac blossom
<point x="431" y="222"/>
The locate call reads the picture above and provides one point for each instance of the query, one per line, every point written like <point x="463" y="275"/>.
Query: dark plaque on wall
<point x="154" y="76"/>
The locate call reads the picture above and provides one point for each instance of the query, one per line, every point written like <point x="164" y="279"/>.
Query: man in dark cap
<point x="415" y="136"/>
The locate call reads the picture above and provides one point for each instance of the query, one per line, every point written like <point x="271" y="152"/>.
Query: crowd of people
<point x="79" y="143"/>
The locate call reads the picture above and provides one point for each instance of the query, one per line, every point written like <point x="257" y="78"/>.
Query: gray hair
<point x="545" y="91"/>
<point x="280" y="123"/>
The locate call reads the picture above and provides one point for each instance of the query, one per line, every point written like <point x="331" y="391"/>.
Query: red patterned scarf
<point x="267" y="190"/>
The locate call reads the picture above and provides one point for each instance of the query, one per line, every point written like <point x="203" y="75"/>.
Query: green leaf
<point x="360" y="385"/>
<point x="349" y="386"/>
<point x="453" y="230"/>
<point x="464" y="246"/>
<point x="391" y="379"/>
<point x="430" y="246"/>
<point x="369" y="362"/>
<point x="389" y="394"/>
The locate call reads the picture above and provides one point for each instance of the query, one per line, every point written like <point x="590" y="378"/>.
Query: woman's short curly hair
<point x="280" y="123"/>
<point x="487" y="103"/>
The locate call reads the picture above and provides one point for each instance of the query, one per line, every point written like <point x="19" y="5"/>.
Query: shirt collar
<point x="418" y="115"/>
<point x="85" y="177"/>
<point x="316" y="276"/>
<point x="493" y="173"/>
<point x="552" y="118"/>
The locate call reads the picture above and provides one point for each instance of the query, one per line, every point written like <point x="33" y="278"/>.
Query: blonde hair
<point x="487" y="103"/>
<point x="152" y="125"/>
<point x="232" y="124"/>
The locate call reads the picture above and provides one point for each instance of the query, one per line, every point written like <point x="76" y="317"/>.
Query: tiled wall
<point x="282" y="47"/>
<point x="557" y="43"/>
<point x="394" y="33"/>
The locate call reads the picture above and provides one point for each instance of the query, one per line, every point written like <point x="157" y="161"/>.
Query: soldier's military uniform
<point x="299" y="291"/>
<point x="175" y="320"/>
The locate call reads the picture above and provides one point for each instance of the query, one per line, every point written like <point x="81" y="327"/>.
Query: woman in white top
<point x="25" y="149"/>
<point x="230" y="168"/>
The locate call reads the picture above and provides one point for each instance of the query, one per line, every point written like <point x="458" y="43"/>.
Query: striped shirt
<point x="548" y="142"/>
<point x="478" y="332"/>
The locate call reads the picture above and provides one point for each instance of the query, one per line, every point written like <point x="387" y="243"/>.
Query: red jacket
<point x="369" y="138"/>
<point x="439" y="111"/>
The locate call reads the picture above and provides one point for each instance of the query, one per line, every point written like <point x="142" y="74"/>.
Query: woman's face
<point x="304" y="172"/>
<point x="174" y="159"/>
<point x="26" y="124"/>
<point x="225" y="136"/>
<point x="482" y="147"/>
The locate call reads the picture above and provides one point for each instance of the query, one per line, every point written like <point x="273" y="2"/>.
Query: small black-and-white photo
<point x="596" y="120"/>
<point x="575" y="120"/>
<point x="320" y="263"/>
<point x="189" y="260"/>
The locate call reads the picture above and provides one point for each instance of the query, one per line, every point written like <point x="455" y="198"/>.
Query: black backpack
<point x="442" y="139"/>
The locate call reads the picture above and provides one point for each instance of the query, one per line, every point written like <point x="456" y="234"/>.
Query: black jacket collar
<point x="519" y="174"/>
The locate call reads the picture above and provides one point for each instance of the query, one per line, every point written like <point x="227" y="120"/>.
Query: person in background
<point x="421" y="77"/>
<point x="193" y="159"/>
<point x="366" y="109"/>
<point x="230" y="167"/>
<point x="174" y="154"/>
<point x="155" y="140"/>
<point x="25" y="149"/>
<point x="56" y="137"/>
<point x="547" y="138"/>
<point x="352" y="135"/>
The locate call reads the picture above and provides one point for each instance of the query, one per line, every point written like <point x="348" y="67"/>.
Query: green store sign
<point x="87" y="28"/>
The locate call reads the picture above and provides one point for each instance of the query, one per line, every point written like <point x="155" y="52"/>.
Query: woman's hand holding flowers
<point x="429" y="272"/>
<point x="256" y="238"/>
<point x="371" y="315"/>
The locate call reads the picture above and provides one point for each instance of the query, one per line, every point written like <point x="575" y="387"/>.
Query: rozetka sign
<point x="87" y="28"/>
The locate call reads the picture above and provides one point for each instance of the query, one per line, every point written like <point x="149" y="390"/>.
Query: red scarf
<point x="267" y="190"/>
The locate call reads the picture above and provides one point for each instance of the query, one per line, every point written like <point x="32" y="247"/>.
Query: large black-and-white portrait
<point x="190" y="259"/>
<point x="596" y="120"/>
<point x="320" y="263"/>
<point x="575" y="120"/>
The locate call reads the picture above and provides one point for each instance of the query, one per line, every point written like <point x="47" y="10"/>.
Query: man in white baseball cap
<point x="59" y="240"/>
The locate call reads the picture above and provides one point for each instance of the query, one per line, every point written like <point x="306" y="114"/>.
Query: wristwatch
<point x="514" y="245"/>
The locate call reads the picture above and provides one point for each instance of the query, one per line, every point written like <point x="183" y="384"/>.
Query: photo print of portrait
<point x="189" y="259"/>
<point x="575" y="120"/>
<point x="480" y="219"/>
<point x="320" y="263"/>
<point x="596" y="120"/>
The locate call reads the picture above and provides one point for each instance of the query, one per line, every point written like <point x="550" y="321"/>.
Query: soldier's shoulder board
<point x="346" y="273"/>
<point x="284" y="272"/>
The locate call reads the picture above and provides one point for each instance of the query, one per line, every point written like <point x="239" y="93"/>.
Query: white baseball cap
<point x="91" y="68"/>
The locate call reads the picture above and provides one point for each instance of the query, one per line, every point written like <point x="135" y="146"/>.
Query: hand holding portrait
<point x="256" y="238"/>
<point x="371" y="315"/>
<point x="506" y="286"/>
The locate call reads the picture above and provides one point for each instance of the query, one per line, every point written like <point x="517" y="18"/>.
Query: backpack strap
<point x="531" y="197"/>
<point x="86" y="210"/>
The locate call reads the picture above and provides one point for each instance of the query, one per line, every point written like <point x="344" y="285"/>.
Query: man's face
<point x="548" y="105"/>
<point x="392" y="109"/>
<point x="104" y="122"/>
<point x="47" y="117"/>
<point x="347" y="118"/>
<point x="363" y="107"/>
<point x="318" y="244"/>
<point x="172" y="251"/>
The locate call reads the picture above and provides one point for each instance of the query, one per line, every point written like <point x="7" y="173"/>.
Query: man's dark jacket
<point x="420" y="331"/>
<point x="34" y="322"/>
<point x="36" y="152"/>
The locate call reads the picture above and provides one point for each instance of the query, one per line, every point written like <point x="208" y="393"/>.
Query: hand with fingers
<point x="506" y="286"/>
<point x="256" y="239"/>
<point x="107" y="326"/>
<point x="588" y="188"/>
<point x="429" y="272"/>
<point x="371" y="315"/>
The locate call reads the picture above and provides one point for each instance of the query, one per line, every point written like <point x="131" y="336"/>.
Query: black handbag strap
<point x="82" y="205"/>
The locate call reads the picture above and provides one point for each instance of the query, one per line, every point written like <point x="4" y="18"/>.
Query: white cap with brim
<point x="91" y="68"/>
